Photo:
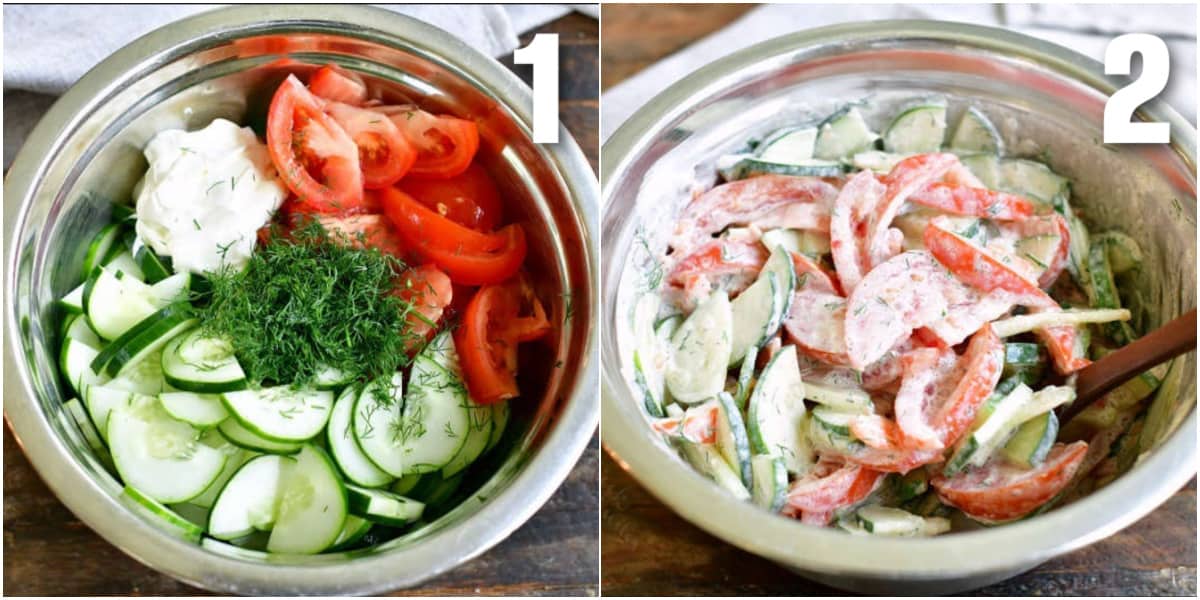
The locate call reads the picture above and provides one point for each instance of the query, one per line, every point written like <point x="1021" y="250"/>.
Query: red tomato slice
<point x="1002" y="492"/>
<point x="336" y="84"/>
<point x="468" y="256"/>
<point x="367" y="231"/>
<point x="829" y="488"/>
<point x="847" y="227"/>
<point x="445" y="145"/>
<point x="877" y="432"/>
<point x="927" y="381"/>
<point x="383" y="154"/>
<point x="699" y="424"/>
<point x="982" y="362"/>
<point x="743" y="202"/>
<point x="488" y="347"/>
<point x="1064" y="348"/>
<point x="469" y="199"/>
<point x="816" y="324"/>
<point x="900" y="295"/>
<point x="429" y="291"/>
<point x="313" y="154"/>
<point x="908" y="176"/>
<point x="720" y="257"/>
<point x="981" y="268"/>
<point x="977" y="202"/>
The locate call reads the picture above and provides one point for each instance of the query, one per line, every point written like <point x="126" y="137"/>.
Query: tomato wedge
<point x="315" y="157"/>
<point x="336" y="84"/>
<point x="383" y="154"/>
<point x="999" y="491"/>
<point x="831" y="487"/>
<point x="469" y="198"/>
<point x="429" y="291"/>
<point x="977" y="202"/>
<point x="468" y="256"/>
<point x="847" y="227"/>
<point x="487" y="340"/>
<point x="983" y="362"/>
<point x="367" y="231"/>
<point x="445" y="145"/>
<point x="698" y="425"/>
<point x="927" y="380"/>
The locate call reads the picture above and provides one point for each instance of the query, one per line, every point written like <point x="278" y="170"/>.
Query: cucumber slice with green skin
<point x="829" y="430"/>
<point x="1032" y="441"/>
<point x="435" y="491"/>
<point x="986" y="438"/>
<point x="280" y="413"/>
<point x="875" y="160"/>
<point x="78" y="329"/>
<point x="754" y="312"/>
<point x="383" y="507"/>
<point x="91" y="435"/>
<point x="834" y="421"/>
<point x="500" y="415"/>
<point x="649" y="358"/>
<point x="1124" y="253"/>
<point x="195" y="362"/>
<point x="237" y="457"/>
<point x="344" y="447"/>
<point x="312" y="505"/>
<point x="1050" y="398"/>
<point x="75" y="361"/>
<point x="881" y="520"/>
<point x="1028" y="322"/>
<point x="920" y="127"/>
<point x="984" y="166"/>
<point x="701" y="348"/>
<point x="733" y="440"/>
<point x="750" y="166"/>
<point x="847" y="400"/>
<point x="378" y="409"/>
<point x="154" y="267"/>
<point x="353" y="531"/>
<point x="200" y="410"/>
<point x="975" y="133"/>
<point x="143" y="377"/>
<point x="1104" y="290"/>
<point x="174" y="522"/>
<point x="160" y="455"/>
<point x="844" y="133"/>
<point x="911" y="484"/>
<point x="241" y="437"/>
<point x="1022" y="354"/>
<point x="330" y="378"/>
<point x="125" y="212"/>
<point x="99" y="247"/>
<point x="144" y="339"/>
<point x="115" y="302"/>
<point x="406" y="484"/>
<point x="770" y="482"/>
<point x="810" y="243"/>
<point x="1033" y="180"/>
<point x="779" y="262"/>
<point x="250" y="498"/>
<point x="72" y="303"/>
<point x="1039" y="249"/>
<point x="709" y="462"/>
<point x="122" y="262"/>
<point x="776" y="410"/>
<point x="745" y="380"/>
<point x="479" y="431"/>
<point x="789" y="145"/>
<point x="101" y="400"/>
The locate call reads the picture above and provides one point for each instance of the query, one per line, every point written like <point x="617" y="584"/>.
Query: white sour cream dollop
<point x="206" y="195"/>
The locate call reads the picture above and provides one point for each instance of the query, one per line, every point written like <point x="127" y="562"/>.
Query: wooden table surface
<point x="646" y="549"/>
<point x="47" y="551"/>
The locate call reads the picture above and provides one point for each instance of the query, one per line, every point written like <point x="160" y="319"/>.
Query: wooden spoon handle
<point x="1156" y="347"/>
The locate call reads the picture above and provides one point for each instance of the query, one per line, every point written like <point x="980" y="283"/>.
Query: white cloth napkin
<point x="1083" y="28"/>
<point x="49" y="47"/>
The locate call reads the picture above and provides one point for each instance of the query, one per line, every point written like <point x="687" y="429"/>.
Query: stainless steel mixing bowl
<point x="1047" y="101"/>
<point x="86" y="152"/>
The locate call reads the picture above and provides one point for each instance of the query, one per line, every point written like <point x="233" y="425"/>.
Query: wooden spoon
<point x="1154" y="348"/>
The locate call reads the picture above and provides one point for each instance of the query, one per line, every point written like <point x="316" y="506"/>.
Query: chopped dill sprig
<point x="307" y="301"/>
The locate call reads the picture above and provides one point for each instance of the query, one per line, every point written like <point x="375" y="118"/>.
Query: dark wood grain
<point x="47" y="551"/>
<point x="1155" y="556"/>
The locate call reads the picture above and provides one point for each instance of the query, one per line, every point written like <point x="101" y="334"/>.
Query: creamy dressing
<point x="206" y="194"/>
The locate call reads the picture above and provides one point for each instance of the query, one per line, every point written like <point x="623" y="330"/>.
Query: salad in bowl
<point x="869" y="324"/>
<point x="300" y="339"/>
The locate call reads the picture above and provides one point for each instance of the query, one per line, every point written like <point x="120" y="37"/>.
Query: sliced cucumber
<point x="984" y="166"/>
<point x="745" y="379"/>
<point x="846" y="400"/>
<point x="280" y="413"/>
<point x="195" y="362"/>
<point x="1039" y="249"/>
<point x="250" y="499"/>
<point x="881" y="520"/>
<point x="239" y="436"/>
<point x="1048" y="399"/>
<point x="1028" y="322"/>
<point x="1022" y="354"/>
<point x="144" y="339"/>
<point x="779" y="263"/>
<point x="975" y="133"/>
<point x="810" y="243"/>
<point x="174" y="522"/>
<point x="75" y="361"/>
<point x="72" y="303"/>
<point x="408" y="483"/>
<point x="160" y="455"/>
<point x="844" y="133"/>
<point x="649" y="357"/>
<point x="100" y="246"/>
<point x="751" y="166"/>
<point x="754" y="312"/>
<point x="479" y="431"/>
<point x="733" y="441"/>
<point x="237" y="457"/>
<point x="154" y="267"/>
<point x="776" y="412"/>
<point x="344" y="448"/>
<point x="1032" y="441"/>
<point x="1124" y="253"/>
<point x="770" y="481"/>
<point x="143" y="377"/>
<point x="500" y="415"/>
<point x="701" y="348"/>
<point x="122" y="262"/>
<point x="383" y="507"/>
<point x="101" y="400"/>
<point x="919" y="127"/>
<point x="91" y="435"/>
<point x="312" y="506"/>
<point x="911" y="484"/>
<point x="875" y="160"/>
<point x="1104" y="293"/>
<point x="789" y="145"/>
<point x="709" y="462"/>
<point x="200" y="410"/>
<point x="1033" y="180"/>
<point x="78" y="329"/>
<point x="115" y="303"/>
<point x="329" y="378"/>
<point x="353" y="531"/>
<point x="829" y="430"/>
<point x="978" y="446"/>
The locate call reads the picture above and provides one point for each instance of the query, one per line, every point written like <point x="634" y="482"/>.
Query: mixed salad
<point x="873" y="332"/>
<point x="302" y="345"/>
